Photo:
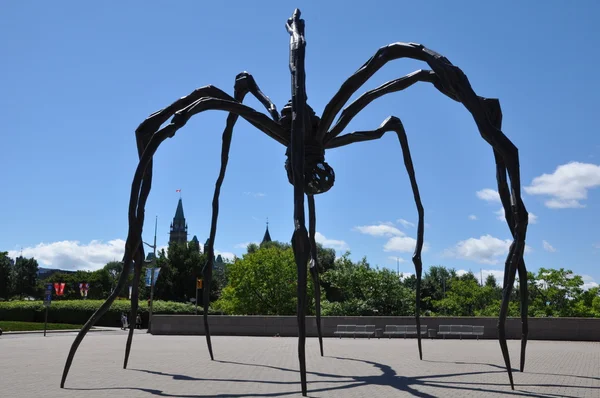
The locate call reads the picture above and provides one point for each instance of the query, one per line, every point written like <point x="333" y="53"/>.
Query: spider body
<point x="319" y="176"/>
<point x="306" y="136"/>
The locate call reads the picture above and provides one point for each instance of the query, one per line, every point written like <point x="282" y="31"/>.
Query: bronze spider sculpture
<point x="306" y="137"/>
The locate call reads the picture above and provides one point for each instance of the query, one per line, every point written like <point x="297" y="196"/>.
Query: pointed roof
<point x="179" y="211"/>
<point x="267" y="237"/>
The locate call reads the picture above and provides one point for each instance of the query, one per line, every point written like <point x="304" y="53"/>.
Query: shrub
<point x="79" y="311"/>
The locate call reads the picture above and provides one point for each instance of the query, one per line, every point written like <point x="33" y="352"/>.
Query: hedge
<point x="79" y="311"/>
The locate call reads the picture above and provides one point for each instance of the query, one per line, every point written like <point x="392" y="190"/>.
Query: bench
<point x="404" y="330"/>
<point x="345" y="330"/>
<point x="364" y="330"/>
<point x="461" y="330"/>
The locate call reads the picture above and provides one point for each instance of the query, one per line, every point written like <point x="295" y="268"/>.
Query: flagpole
<point x="152" y="268"/>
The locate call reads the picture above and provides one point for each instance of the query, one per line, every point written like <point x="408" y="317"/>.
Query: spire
<point x="179" y="212"/>
<point x="195" y="243"/>
<point x="267" y="237"/>
<point x="178" y="226"/>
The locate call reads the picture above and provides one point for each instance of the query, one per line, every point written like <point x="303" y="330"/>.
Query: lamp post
<point x="153" y="262"/>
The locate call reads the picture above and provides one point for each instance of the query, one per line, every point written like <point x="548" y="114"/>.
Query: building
<point x="267" y="237"/>
<point x="179" y="230"/>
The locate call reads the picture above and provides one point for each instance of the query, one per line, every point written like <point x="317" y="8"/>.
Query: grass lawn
<point x="10" y="326"/>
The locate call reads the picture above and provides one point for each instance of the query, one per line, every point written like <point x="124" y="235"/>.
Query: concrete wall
<point x="576" y="329"/>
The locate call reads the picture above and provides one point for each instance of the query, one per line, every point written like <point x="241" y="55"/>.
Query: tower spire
<point x="267" y="237"/>
<point x="178" y="231"/>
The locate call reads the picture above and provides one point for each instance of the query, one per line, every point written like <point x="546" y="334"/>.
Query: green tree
<point x="263" y="282"/>
<point x="25" y="277"/>
<point x="113" y="270"/>
<point x="179" y="270"/>
<point x="556" y="292"/>
<point x="358" y="289"/>
<point x="434" y="284"/>
<point x="462" y="299"/>
<point x="5" y="276"/>
<point x="490" y="281"/>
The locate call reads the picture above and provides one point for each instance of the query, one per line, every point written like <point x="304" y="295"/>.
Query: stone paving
<point x="179" y="366"/>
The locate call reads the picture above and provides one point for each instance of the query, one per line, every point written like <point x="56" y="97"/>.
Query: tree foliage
<point x="5" y="276"/>
<point x="264" y="281"/>
<point x="24" y="277"/>
<point x="358" y="289"/>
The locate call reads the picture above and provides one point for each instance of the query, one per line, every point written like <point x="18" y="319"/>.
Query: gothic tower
<point x="267" y="237"/>
<point x="178" y="232"/>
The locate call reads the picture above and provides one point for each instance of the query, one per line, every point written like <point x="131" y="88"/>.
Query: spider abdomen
<point x="318" y="175"/>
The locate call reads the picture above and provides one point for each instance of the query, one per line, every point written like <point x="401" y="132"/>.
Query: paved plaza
<point x="173" y="366"/>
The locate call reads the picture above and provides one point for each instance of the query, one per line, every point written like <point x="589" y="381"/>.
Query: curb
<point x="93" y="329"/>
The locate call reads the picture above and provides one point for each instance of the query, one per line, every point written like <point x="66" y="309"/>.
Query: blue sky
<point x="78" y="78"/>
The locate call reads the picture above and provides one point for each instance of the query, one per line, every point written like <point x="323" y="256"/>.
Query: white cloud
<point x="485" y="249"/>
<point x="405" y="275"/>
<point x="404" y="244"/>
<point x="567" y="186"/>
<point x="255" y="194"/>
<point x="394" y="259"/>
<point x="548" y="247"/>
<point x="73" y="255"/>
<point x="332" y="243"/>
<point x="588" y="282"/>
<point x="405" y="223"/>
<point x="244" y="245"/>
<point x="483" y="274"/>
<point x="472" y="217"/>
<point x="379" y="230"/>
<point x="500" y="215"/>
<point x="225" y="255"/>
<point x="596" y="245"/>
<point x="498" y="274"/>
<point x="461" y="272"/>
<point x="489" y="195"/>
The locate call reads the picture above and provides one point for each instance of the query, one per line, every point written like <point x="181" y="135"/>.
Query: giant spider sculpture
<point x="306" y="137"/>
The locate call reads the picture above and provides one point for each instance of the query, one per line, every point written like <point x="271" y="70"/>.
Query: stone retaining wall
<point x="575" y="329"/>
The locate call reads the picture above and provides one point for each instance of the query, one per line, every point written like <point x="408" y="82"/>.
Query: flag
<point x="199" y="284"/>
<point x="178" y="190"/>
<point x="59" y="287"/>
<point x="156" y="271"/>
<point x="148" y="276"/>
<point x="83" y="289"/>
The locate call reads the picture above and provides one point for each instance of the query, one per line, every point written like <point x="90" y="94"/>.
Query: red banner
<point x="59" y="288"/>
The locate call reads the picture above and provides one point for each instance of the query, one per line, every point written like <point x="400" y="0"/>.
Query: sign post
<point x="198" y="287"/>
<point x="47" y="301"/>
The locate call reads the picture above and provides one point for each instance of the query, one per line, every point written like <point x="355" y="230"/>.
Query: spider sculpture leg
<point x="349" y="112"/>
<point x="244" y="84"/>
<point x="314" y="264"/>
<point x="140" y="190"/>
<point x="300" y="240"/>
<point x="452" y="82"/>
<point x="495" y="116"/>
<point x="149" y="137"/>
<point x="137" y="273"/>
<point x="394" y="124"/>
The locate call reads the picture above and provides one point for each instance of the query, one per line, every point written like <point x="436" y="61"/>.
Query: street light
<point x="152" y="262"/>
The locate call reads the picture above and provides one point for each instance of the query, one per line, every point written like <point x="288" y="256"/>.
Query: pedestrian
<point x="124" y="321"/>
<point x="138" y="321"/>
